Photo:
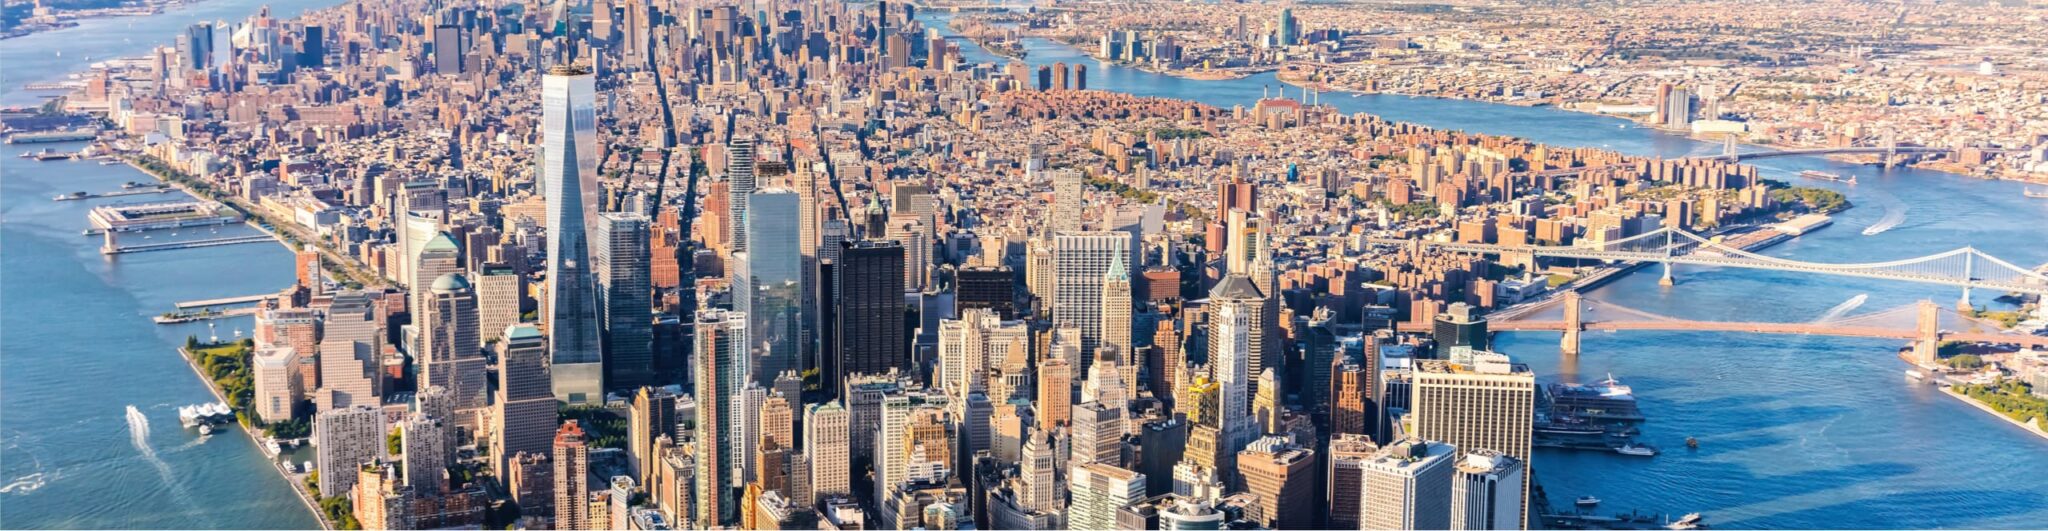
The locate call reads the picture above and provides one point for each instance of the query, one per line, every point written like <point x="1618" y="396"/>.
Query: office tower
<point x="1351" y="409"/>
<point x="277" y="388"/>
<point x="197" y="45"/>
<point x="1346" y="484"/>
<point x="1096" y="435"/>
<point x="427" y="441"/>
<point x="497" y="301"/>
<point x="1486" y="405"/>
<point x="827" y="445"/>
<point x="739" y="174"/>
<point x="652" y="415"/>
<point x="620" y="258"/>
<point x="1055" y="393"/>
<point x="1116" y="318"/>
<point x="976" y="344"/>
<point x="415" y="229"/>
<point x="448" y="49"/>
<point x="768" y="283"/>
<point x="1282" y="477"/>
<point x="572" y="488"/>
<point x="778" y="422"/>
<point x="1320" y="350"/>
<point x="721" y="357"/>
<point x="1677" y="108"/>
<point x="349" y="436"/>
<point x="870" y="309"/>
<point x="1261" y="332"/>
<point x="1230" y="340"/>
<point x="1408" y="486"/>
<point x="436" y="256"/>
<point x="453" y="358"/>
<point x="986" y="287"/>
<point x="1036" y="469"/>
<point x="1485" y="491"/>
<point x="1067" y="202"/>
<point x="893" y="444"/>
<point x="350" y="358"/>
<point x="1289" y="29"/>
<point x="1081" y="262"/>
<point x="569" y="181"/>
<point x="1459" y="326"/>
<point x="1266" y="406"/>
<point x="525" y="409"/>
<point x="1099" y="491"/>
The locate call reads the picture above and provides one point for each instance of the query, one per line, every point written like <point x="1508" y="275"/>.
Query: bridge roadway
<point x="1726" y="261"/>
<point x="1869" y="150"/>
<point x="1819" y="329"/>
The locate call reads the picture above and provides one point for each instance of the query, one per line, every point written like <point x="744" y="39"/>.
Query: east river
<point x="1795" y="431"/>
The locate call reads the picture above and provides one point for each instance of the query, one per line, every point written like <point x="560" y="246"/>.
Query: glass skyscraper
<point x="768" y="284"/>
<point x="568" y="174"/>
<point x="620" y="257"/>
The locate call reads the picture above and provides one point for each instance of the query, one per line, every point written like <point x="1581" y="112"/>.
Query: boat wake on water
<point x="1894" y="214"/>
<point x="138" y="433"/>
<point x="1839" y="309"/>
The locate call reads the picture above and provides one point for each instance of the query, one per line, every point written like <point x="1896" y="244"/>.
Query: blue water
<point x="1795" y="431"/>
<point x="77" y="348"/>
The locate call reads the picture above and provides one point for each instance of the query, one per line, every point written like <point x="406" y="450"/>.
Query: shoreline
<point x="2029" y="427"/>
<point x="298" y="490"/>
<point x="1928" y="166"/>
<point x="340" y="267"/>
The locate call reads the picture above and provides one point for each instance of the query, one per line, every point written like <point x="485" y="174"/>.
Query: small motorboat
<point x="1692" y="442"/>
<point x="1634" y="449"/>
<point x="1587" y="501"/>
<point x="1690" y="521"/>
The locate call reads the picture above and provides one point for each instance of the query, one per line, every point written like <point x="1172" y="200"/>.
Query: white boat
<point x="1587" y="501"/>
<point x="1636" y="450"/>
<point x="1690" y="521"/>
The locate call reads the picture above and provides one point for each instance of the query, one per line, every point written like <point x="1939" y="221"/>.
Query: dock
<point x="79" y="197"/>
<point x="203" y="315"/>
<point x="237" y="240"/>
<point x="223" y="301"/>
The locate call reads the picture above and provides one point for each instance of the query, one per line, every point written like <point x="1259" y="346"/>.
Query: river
<point x="1796" y="431"/>
<point x="91" y="436"/>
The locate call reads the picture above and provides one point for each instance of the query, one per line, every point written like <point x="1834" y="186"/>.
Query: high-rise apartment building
<point x="349" y="436"/>
<point x="572" y="486"/>
<point x="428" y="442"/>
<point x="619" y="252"/>
<point x="721" y="366"/>
<point x="827" y="445"/>
<point x="568" y="180"/>
<point x="1068" y="187"/>
<point x="739" y="174"/>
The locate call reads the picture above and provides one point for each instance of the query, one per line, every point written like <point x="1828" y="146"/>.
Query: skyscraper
<point x="1346" y="485"/>
<point x="739" y="173"/>
<point x="1098" y="491"/>
<point x="870" y="310"/>
<point x="1408" y="486"/>
<point x="453" y="359"/>
<point x="572" y="488"/>
<point x="497" y="300"/>
<point x="1081" y="262"/>
<point x="1229" y="359"/>
<point x="569" y="179"/>
<point x="349" y="436"/>
<point x="768" y="284"/>
<point x="1116" y="320"/>
<point x="1459" y="326"/>
<point x="1486" y="405"/>
<point x="428" y="441"/>
<point x="525" y="409"/>
<point x="826" y="443"/>
<point x="1067" y="190"/>
<point x="349" y="354"/>
<point x="651" y="415"/>
<point x="1486" y="490"/>
<point x="1283" y="479"/>
<point x="721" y="357"/>
<point x="620" y="258"/>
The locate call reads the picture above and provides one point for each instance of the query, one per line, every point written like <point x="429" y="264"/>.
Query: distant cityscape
<point x="808" y="264"/>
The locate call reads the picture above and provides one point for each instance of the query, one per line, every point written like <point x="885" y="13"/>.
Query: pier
<point x="113" y="249"/>
<point x="83" y="196"/>
<point x="224" y="301"/>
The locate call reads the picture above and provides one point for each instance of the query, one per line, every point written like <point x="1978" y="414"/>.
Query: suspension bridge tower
<point x="1927" y="346"/>
<point x="1574" y="321"/>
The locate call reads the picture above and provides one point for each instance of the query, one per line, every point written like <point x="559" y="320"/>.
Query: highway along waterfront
<point x="91" y="384"/>
<point x="1795" y="431"/>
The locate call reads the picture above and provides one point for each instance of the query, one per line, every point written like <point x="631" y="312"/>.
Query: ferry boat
<point x="1587" y="501"/>
<point x="47" y="154"/>
<point x="1606" y="402"/>
<point x="1638" y="450"/>
<point x="1825" y="176"/>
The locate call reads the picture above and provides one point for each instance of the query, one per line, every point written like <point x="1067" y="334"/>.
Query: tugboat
<point x="1587" y="501"/>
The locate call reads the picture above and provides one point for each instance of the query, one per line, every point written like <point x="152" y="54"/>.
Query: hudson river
<point x="1796" y="431"/>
